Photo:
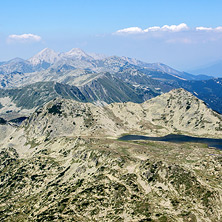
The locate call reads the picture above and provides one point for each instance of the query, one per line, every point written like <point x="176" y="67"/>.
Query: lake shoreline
<point x="175" y="138"/>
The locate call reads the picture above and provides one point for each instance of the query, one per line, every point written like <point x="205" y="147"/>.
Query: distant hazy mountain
<point x="214" y="69"/>
<point x="99" y="78"/>
<point x="105" y="88"/>
<point x="16" y="65"/>
<point x="210" y="91"/>
<point x="45" y="56"/>
<point x="77" y="54"/>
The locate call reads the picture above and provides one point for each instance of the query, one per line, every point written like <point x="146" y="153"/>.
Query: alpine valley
<point x="61" y="159"/>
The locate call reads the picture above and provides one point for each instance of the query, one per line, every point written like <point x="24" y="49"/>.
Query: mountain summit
<point x="76" y="53"/>
<point x="45" y="56"/>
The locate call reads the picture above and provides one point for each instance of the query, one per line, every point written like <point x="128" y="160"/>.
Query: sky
<point x="184" y="34"/>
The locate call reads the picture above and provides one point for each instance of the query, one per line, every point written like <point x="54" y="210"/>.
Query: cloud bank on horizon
<point x="166" y="28"/>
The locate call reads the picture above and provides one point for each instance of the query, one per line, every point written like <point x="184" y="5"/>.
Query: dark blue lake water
<point x="217" y="143"/>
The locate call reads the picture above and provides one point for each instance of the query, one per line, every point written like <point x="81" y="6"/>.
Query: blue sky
<point x="27" y="27"/>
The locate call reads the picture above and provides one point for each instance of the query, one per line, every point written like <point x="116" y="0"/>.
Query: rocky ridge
<point x="175" y="112"/>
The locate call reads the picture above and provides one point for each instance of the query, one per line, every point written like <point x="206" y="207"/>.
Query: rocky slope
<point x="175" y="112"/>
<point x="96" y="88"/>
<point x="24" y="100"/>
<point x="64" y="163"/>
<point x="73" y="179"/>
<point x="107" y="88"/>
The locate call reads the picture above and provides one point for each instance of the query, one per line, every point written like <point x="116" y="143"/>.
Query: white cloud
<point x="219" y="28"/>
<point x="169" y="28"/>
<point x="24" y="38"/>
<point x="201" y="28"/>
<point x="131" y="30"/>
<point x="175" y="28"/>
<point x="166" y="28"/>
<point x="152" y="29"/>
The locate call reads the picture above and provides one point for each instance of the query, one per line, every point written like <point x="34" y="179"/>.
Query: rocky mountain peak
<point x="16" y="60"/>
<point x="132" y="61"/>
<point x="181" y="92"/>
<point x="180" y="110"/>
<point x="46" y="55"/>
<point x="76" y="53"/>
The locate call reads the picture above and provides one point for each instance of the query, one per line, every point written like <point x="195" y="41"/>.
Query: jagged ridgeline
<point x="65" y="163"/>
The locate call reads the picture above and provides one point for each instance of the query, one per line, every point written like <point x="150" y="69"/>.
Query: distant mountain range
<point x="214" y="69"/>
<point x="77" y="75"/>
<point x="76" y="58"/>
